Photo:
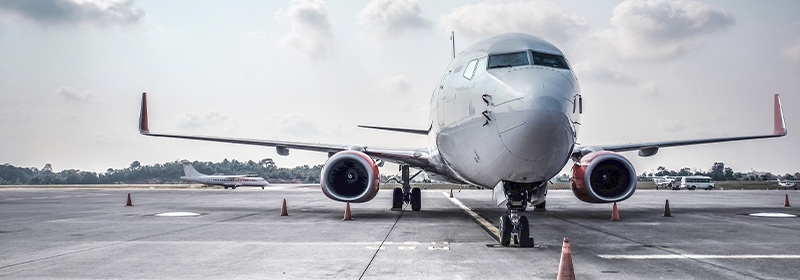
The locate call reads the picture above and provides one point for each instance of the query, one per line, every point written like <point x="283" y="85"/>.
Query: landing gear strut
<point x="406" y="194"/>
<point x="513" y="226"/>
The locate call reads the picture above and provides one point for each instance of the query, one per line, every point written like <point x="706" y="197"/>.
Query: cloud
<point x="670" y="125"/>
<point x="311" y="34"/>
<point x="18" y="114"/>
<point x="791" y="51"/>
<point x="397" y="84"/>
<point x="590" y="70"/>
<point x="540" y="18"/>
<point x="594" y="71"/>
<point x="197" y="119"/>
<point x="660" y="29"/>
<point x="389" y="17"/>
<point x="294" y="123"/>
<point x="72" y="94"/>
<point x="96" y="12"/>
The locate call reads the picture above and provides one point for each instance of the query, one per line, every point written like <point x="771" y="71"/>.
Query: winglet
<point x="780" y="124"/>
<point x="143" y="129"/>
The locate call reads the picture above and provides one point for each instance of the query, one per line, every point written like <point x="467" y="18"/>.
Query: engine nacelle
<point x="350" y="176"/>
<point x="603" y="177"/>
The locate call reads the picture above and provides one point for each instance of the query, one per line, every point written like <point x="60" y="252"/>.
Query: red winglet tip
<point x="143" y="127"/>
<point x="780" y="124"/>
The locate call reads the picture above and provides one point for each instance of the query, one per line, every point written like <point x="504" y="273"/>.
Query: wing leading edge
<point x="414" y="157"/>
<point x="650" y="148"/>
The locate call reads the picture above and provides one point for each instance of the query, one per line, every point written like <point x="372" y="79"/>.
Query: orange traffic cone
<point x="786" y="201"/>
<point x="667" y="213"/>
<point x="129" y="200"/>
<point x="347" y="215"/>
<point x="284" y="212"/>
<point x="615" y="213"/>
<point x="451" y="193"/>
<point x="565" y="271"/>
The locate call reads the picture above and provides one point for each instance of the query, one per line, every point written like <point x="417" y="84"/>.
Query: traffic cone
<point x="565" y="271"/>
<point x="786" y="201"/>
<point x="284" y="212"/>
<point x="129" y="200"/>
<point x="615" y="213"/>
<point x="451" y="193"/>
<point x="347" y="215"/>
<point x="667" y="213"/>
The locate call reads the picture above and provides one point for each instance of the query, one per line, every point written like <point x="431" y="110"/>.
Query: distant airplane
<point x="787" y="184"/>
<point x="223" y="180"/>
<point x="505" y="115"/>
<point x="665" y="182"/>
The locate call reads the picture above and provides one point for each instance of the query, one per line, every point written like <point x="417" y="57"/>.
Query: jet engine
<point x="603" y="177"/>
<point x="350" y="176"/>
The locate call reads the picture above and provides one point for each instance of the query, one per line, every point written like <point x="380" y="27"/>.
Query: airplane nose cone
<point x="536" y="127"/>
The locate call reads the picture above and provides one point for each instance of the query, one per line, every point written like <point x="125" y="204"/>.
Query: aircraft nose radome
<point x="540" y="133"/>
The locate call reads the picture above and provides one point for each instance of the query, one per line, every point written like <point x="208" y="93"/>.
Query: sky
<point x="72" y="73"/>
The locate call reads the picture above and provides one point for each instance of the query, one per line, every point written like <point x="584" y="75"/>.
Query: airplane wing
<point x="403" y="130"/>
<point x="650" y="148"/>
<point x="413" y="157"/>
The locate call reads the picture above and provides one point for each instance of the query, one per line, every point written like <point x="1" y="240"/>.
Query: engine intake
<point x="603" y="177"/>
<point x="350" y="176"/>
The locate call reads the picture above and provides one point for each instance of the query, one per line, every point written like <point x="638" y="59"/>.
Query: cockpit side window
<point x="508" y="60"/>
<point x="550" y="60"/>
<point x="470" y="70"/>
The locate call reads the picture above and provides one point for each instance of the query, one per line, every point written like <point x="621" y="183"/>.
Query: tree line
<point x="720" y="172"/>
<point x="166" y="173"/>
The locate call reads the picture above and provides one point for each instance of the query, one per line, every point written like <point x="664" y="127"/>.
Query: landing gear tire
<point x="397" y="199"/>
<point x="233" y="188"/>
<point x="262" y="187"/>
<point x="226" y="188"/>
<point x="524" y="233"/>
<point x="505" y="230"/>
<point x="416" y="199"/>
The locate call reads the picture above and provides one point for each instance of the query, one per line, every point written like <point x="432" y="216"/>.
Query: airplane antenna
<point x="453" y="38"/>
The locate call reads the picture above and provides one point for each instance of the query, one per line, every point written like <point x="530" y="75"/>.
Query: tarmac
<point x="239" y="234"/>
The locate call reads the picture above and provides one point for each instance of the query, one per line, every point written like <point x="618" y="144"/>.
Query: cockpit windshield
<point x="549" y="60"/>
<point x="508" y="60"/>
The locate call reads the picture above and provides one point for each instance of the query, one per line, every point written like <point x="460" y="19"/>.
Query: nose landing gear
<point x="514" y="227"/>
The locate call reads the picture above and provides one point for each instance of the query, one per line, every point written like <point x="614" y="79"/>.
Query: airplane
<point x="505" y="116"/>
<point x="787" y="184"/>
<point x="231" y="181"/>
<point x="665" y="182"/>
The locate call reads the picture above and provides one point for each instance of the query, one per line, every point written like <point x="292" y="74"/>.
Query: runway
<point x="89" y="233"/>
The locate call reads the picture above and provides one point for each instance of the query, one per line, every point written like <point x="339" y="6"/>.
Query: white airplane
<point x="787" y="184"/>
<point x="232" y="181"/>
<point x="505" y="116"/>
<point x="664" y="182"/>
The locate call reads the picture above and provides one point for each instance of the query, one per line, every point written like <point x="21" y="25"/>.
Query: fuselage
<point x="227" y="180"/>
<point x="506" y="109"/>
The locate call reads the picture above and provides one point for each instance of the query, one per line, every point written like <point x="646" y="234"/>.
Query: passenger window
<point x="470" y="70"/>
<point x="508" y="60"/>
<point x="550" y="60"/>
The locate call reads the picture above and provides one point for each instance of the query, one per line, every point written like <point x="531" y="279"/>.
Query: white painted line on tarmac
<point x="177" y="214"/>
<point x="774" y="215"/>
<point x="483" y="222"/>
<point x="688" y="256"/>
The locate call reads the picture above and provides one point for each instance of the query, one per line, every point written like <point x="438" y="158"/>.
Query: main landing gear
<point x="513" y="226"/>
<point x="406" y="194"/>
